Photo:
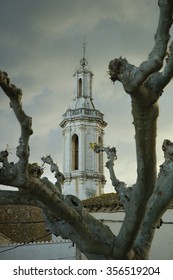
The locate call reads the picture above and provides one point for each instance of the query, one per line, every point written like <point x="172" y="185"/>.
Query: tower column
<point x="67" y="149"/>
<point x="82" y="148"/>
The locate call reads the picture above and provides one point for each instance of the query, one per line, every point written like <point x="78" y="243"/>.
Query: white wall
<point x="162" y="246"/>
<point x="39" y="251"/>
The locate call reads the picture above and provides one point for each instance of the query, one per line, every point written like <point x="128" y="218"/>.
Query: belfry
<point x="82" y="124"/>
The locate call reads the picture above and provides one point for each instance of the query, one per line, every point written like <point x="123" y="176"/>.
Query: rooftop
<point x="108" y="202"/>
<point x="23" y="224"/>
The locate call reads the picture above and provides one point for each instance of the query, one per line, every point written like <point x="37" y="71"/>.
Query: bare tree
<point x="145" y="202"/>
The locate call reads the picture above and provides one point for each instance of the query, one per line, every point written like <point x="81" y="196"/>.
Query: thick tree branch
<point x="101" y="241"/>
<point x="157" y="204"/>
<point x="15" y="96"/>
<point x="144" y="95"/>
<point x="162" y="35"/>
<point x="145" y="128"/>
<point x="158" y="81"/>
<point x="167" y="74"/>
<point x="134" y="77"/>
<point x="159" y="51"/>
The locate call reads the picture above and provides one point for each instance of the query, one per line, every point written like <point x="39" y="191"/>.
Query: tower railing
<point x="84" y="112"/>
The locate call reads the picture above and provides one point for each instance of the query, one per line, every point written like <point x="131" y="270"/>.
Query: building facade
<point x="83" y="124"/>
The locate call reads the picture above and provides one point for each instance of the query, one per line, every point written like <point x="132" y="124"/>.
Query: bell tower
<point x="82" y="124"/>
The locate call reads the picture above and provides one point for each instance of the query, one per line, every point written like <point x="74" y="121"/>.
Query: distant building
<point x="83" y="124"/>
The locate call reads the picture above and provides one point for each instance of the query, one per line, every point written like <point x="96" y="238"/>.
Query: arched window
<point x="80" y="87"/>
<point x="75" y="152"/>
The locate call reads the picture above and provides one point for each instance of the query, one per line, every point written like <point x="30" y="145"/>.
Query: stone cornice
<point x="84" y="176"/>
<point x="90" y="115"/>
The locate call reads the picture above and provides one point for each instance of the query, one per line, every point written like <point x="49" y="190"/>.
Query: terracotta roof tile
<point x="23" y="224"/>
<point x="108" y="202"/>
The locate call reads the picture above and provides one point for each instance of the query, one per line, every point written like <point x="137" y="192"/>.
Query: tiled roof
<point x="23" y="224"/>
<point x="108" y="202"/>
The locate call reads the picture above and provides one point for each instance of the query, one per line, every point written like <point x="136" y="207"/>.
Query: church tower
<point x="82" y="124"/>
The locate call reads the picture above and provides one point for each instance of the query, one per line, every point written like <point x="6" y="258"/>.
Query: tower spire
<point x="83" y="61"/>
<point x="84" y="47"/>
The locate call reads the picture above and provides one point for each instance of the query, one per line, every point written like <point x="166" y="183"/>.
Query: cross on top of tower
<point x="83" y="61"/>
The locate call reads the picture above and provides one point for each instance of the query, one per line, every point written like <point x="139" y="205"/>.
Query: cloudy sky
<point x="40" y="46"/>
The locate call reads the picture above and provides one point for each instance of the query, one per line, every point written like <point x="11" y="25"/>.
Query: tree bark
<point x="157" y="204"/>
<point x="145" y="128"/>
<point x="145" y="85"/>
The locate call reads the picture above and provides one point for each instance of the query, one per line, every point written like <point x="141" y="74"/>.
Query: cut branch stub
<point x="167" y="148"/>
<point x="111" y="152"/>
<point x="4" y="156"/>
<point x="115" y="68"/>
<point x="54" y="168"/>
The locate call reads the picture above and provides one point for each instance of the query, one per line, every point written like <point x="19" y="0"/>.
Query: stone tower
<point x="82" y="124"/>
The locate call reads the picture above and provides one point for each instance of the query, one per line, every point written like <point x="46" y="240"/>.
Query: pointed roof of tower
<point x="84" y="65"/>
<point x="82" y="106"/>
<point x="83" y="61"/>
